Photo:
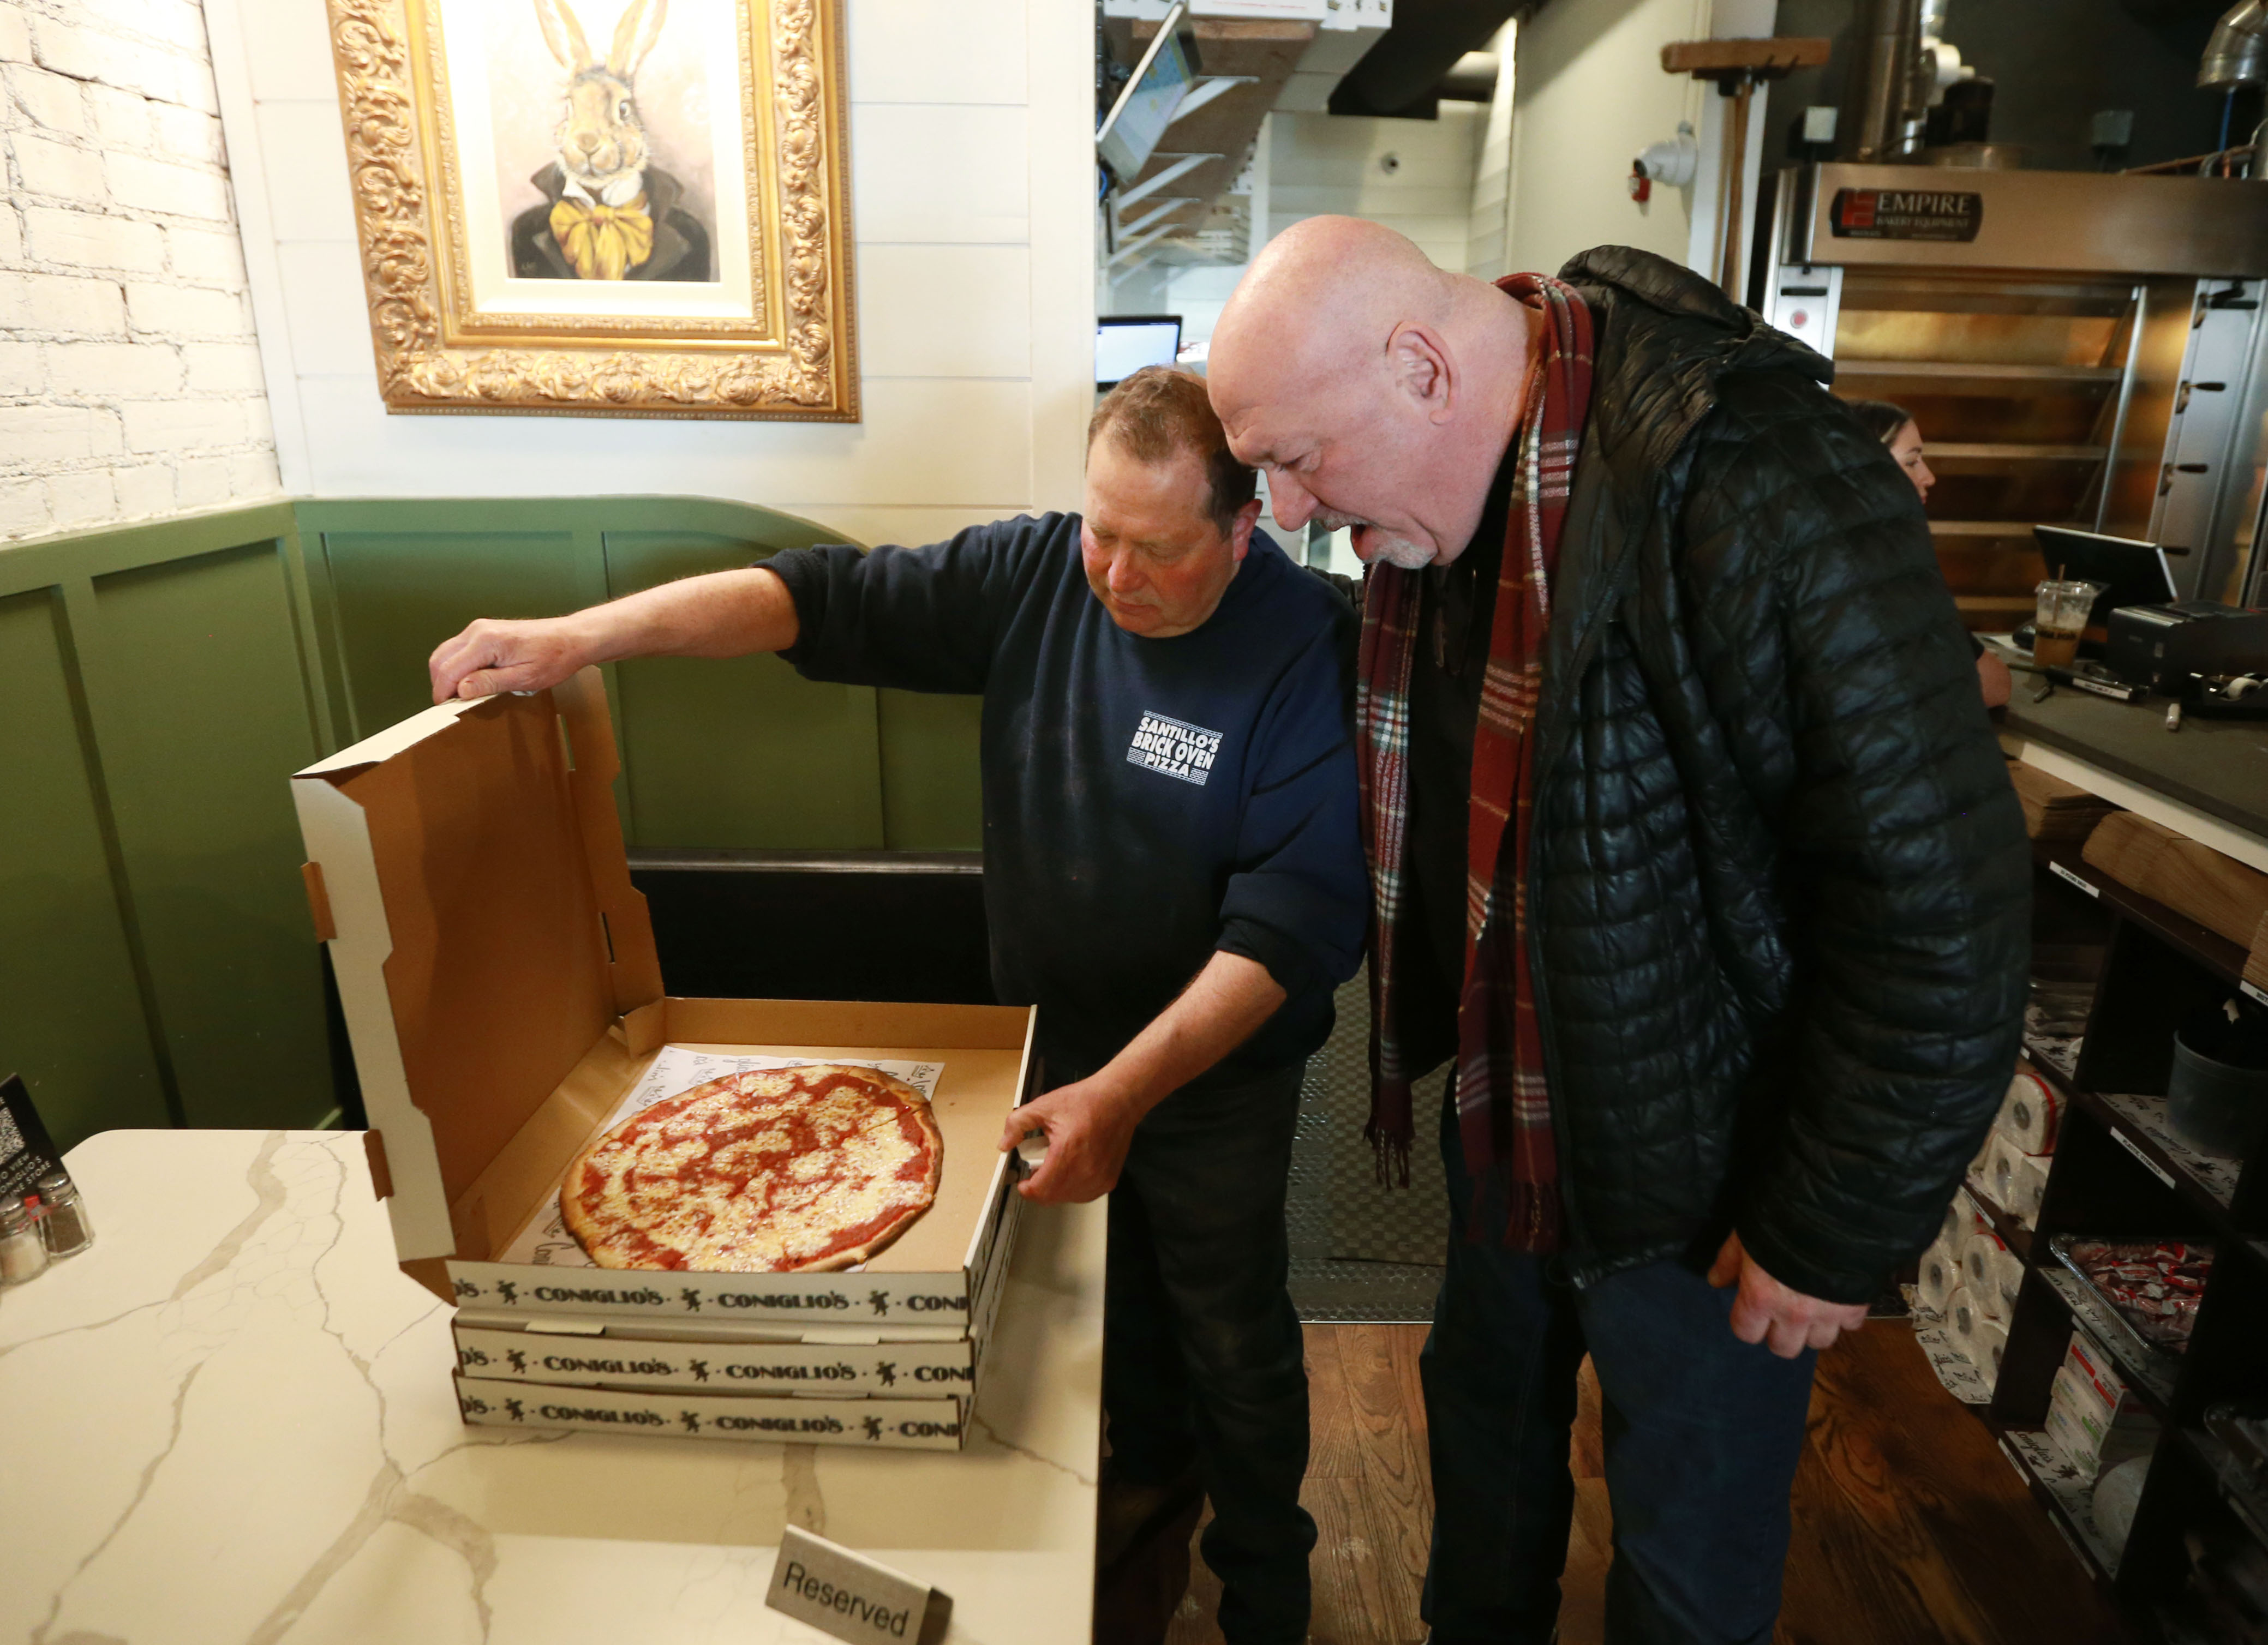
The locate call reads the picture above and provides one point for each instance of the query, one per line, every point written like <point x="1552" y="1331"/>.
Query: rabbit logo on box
<point x="609" y="213"/>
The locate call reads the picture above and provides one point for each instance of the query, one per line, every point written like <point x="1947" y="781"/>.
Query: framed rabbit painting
<point x="628" y="208"/>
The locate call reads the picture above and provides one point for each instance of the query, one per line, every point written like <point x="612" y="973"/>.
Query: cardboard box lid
<point x="468" y="863"/>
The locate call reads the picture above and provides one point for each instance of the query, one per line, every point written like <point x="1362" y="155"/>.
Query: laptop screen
<point x="1124" y="344"/>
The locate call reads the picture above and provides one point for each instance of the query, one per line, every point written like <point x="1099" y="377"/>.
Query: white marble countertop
<point x="231" y="1421"/>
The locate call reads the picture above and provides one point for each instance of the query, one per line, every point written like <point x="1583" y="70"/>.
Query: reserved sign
<point x="826" y="1585"/>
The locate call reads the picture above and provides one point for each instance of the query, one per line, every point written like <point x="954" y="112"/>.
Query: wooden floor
<point x="1910" y="1528"/>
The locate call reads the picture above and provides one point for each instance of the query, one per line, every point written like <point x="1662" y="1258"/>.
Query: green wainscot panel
<point x="202" y="711"/>
<point x="398" y="590"/>
<point x="70" y="1014"/>
<point x="739" y="753"/>
<point x="932" y="790"/>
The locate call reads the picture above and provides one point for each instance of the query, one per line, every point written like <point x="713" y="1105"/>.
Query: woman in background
<point x="1895" y="427"/>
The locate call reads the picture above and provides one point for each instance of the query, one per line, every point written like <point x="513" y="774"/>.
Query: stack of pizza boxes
<point x="502" y="995"/>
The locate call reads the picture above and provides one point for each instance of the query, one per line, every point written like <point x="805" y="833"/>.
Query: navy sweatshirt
<point x="1146" y="802"/>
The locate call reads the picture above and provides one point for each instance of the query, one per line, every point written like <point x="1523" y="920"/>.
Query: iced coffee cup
<point x="2061" y="618"/>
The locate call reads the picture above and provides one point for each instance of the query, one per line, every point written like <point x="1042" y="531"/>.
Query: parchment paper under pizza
<point x="769" y="1164"/>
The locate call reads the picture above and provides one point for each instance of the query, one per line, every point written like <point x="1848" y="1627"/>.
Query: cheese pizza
<point x="773" y="1171"/>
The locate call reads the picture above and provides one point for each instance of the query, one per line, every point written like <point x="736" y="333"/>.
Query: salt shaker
<point x="65" y="1227"/>
<point x="23" y="1254"/>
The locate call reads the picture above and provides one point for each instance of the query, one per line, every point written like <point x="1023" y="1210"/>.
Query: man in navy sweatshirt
<point x="1173" y="873"/>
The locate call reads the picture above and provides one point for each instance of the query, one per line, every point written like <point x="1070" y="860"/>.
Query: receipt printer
<point x="2162" y="646"/>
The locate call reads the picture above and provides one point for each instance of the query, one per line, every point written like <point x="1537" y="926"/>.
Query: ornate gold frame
<point x="797" y="359"/>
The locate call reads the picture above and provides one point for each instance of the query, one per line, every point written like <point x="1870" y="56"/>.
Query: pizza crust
<point x="740" y="1174"/>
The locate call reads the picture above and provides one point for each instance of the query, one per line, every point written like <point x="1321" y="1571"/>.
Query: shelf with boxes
<point x="2127" y="1320"/>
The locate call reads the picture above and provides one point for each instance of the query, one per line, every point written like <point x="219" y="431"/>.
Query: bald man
<point x="1691" y="844"/>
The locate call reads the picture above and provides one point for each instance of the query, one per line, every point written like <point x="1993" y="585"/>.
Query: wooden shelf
<point x="2244" y="1498"/>
<point x="2120" y="1172"/>
<point x="1963" y="452"/>
<point x="1984" y="528"/>
<point x="2032" y="1454"/>
<point x="2069" y="1507"/>
<point x="2168" y="1165"/>
<point x="2208" y="948"/>
<point x="2162" y="1164"/>
<point x="1996" y="605"/>
<point x="1951" y="374"/>
<point x="2012" y="1233"/>
<point x="2141" y="1125"/>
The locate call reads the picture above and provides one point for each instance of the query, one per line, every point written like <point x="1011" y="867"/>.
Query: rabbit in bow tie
<point x="611" y="214"/>
<point x="601" y="140"/>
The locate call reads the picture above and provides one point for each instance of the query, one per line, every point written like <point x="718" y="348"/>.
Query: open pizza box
<point x="502" y="997"/>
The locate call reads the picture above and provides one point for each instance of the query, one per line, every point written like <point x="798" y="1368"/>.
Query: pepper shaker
<point x="65" y="1228"/>
<point x="23" y="1254"/>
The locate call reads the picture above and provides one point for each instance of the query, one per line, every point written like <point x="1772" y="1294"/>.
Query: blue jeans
<point x="1703" y="1432"/>
<point x="1201" y="1355"/>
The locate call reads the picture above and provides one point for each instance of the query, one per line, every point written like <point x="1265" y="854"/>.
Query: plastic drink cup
<point x="2061" y="618"/>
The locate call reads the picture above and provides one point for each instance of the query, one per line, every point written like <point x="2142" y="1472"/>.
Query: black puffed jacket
<point x="1781" y="885"/>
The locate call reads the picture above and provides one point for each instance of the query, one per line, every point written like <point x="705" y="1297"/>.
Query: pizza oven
<point x="2077" y="348"/>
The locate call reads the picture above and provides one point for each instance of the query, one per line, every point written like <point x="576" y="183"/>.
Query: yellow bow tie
<point x="603" y="242"/>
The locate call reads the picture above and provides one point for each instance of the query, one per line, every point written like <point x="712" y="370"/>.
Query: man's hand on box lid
<point x="492" y="656"/>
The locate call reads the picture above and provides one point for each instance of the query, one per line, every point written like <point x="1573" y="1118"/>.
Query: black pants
<point x="1202" y="1354"/>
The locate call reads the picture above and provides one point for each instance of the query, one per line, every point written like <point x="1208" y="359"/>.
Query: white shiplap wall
<point x="1589" y="96"/>
<point x="971" y="158"/>
<point x="1486" y="221"/>
<point x="1590" y="93"/>
<point x="1324" y="163"/>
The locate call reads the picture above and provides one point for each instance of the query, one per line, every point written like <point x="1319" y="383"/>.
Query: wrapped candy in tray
<point x="2156" y="1284"/>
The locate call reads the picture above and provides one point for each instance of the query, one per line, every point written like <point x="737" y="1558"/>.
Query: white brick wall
<point x="130" y="379"/>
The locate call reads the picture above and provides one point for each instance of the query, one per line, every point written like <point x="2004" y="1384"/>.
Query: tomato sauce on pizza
<point x="773" y="1171"/>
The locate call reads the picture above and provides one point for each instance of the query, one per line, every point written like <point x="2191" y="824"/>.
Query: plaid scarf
<point x="1504" y="1111"/>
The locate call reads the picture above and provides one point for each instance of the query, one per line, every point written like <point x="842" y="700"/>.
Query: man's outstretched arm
<point x="725" y="614"/>
<point x="1090" y="1125"/>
